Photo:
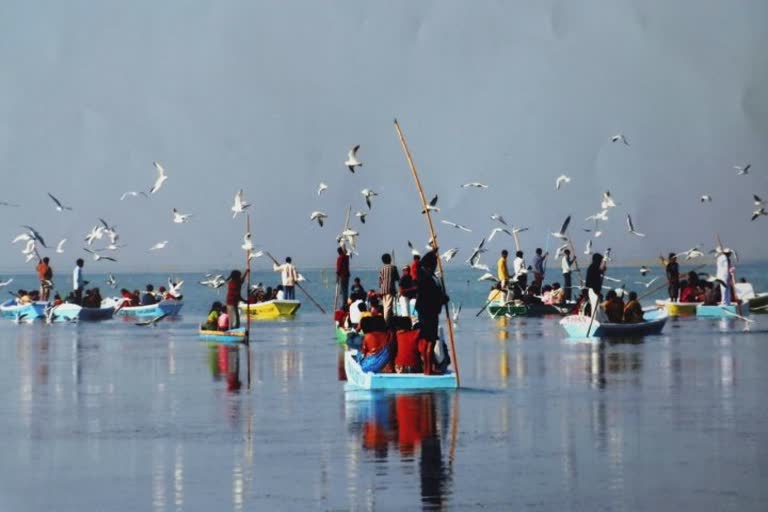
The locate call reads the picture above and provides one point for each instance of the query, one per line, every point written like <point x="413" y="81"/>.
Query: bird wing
<point x="58" y="203"/>
<point x="629" y="223"/>
<point x="565" y="225"/>
<point x="433" y="202"/>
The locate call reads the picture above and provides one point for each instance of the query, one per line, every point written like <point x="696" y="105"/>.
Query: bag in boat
<point x="378" y="360"/>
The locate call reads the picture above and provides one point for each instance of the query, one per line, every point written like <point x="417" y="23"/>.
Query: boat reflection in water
<point x="224" y="362"/>
<point x="418" y="426"/>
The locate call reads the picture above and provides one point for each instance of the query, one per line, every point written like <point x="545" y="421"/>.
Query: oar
<point x="485" y="306"/>
<point x="433" y="236"/>
<point x="298" y="285"/>
<point x="247" y="339"/>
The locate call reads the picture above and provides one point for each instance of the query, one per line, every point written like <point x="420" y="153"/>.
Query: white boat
<point x="359" y="379"/>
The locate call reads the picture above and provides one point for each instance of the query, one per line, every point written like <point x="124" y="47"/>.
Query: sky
<point x="270" y="96"/>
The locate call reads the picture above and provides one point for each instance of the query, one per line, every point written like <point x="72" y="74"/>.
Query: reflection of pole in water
<point x="178" y="477"/>
<point x="158" y="477"/>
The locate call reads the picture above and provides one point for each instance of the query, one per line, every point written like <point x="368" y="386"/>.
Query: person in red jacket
<point x="234" y="285"/>
<point x="342" y="275"/>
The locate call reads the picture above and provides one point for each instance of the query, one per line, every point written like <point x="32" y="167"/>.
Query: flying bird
<point x="476" y="252"/>
<point x="59" y="207"/>
<point x="180" y="218"/>
<point x="255" y="254"/>
<point x="498" y="230"/>
<point x="601" y="215"/>
<point x="758" y="201"/>
<point x="631" y="227"/>
<point x="60" y="246"/>
<point x="240" y="203"/>
<point x="161" y="177"/>
<point x="588" y="250"/>
<point x="498" y="218"/>
<point x="111" y="281"/>
<point x="619" y="137"/>
<point x="560" y="180"/>
<point x="159" y="245"/>
<point x="487" y="277"/>
<point x="212" y="281"/>
<point x="3" y="284"/>
<point x="132" y="194"/>
<point x="352" y="160"/>
<point x="414" y="251"/>
<point x="561" y="234"/>
<point x="99" y="257"/>
<point x="742" y="170"/>
<point x="757" y="213"/>
<point x="649" y="283"/>
<point x="474" y="184"/>
<point x="319" y="217"/>
<point x="455" y="312"/>
<point x="368" y="194"/>
<point x="247" y="242"/>
<point x="607" y="201"/>
<point x="35" y="235"/>
<point x="97" y="233"/>
<point x="432" y="206"/>
<point x="321" y="188"/>
<point x="644" y="270"/>
<point x="457" y="226"/>
<point x="21" y="237"/>
<point x="706" y="198"/>
<point x="5" y="203"/>
<point x="518" y="230"/>
<point x="449" y="254"/>
<point x="361" y="216"/>
<point x="481" y="266"/>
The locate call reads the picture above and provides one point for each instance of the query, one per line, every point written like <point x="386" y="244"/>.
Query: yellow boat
<point x="678" y="308"/>
<point x="271" y="309"/>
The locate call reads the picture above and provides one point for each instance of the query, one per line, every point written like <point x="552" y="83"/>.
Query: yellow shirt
<point x="501" y="270"/>
<point x="495" y="294"/>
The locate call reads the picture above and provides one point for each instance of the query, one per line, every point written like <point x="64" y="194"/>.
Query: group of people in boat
<point x="722" y="289"/>
<point x="148" y="297"/>
<point x="392" y="339"/>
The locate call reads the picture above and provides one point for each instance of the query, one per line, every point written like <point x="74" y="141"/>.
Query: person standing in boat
<point x="521" y="274"/>
<point x="538" y="267"/>
<point x="429" y="303"/>
<point x="673" y="277"/>
<point x="342" y="275"/>
<point x="78" y="283"/>
<point x="725" y="275"/>
<point x="289" y="277"/>
<point x="234" y="287"/>
<point x="566" y="265"/>
<point x="502" y="271"/>
<point x="45" y="275"/>
<point x="388" y="279"/>
<point x="595" y="273"/>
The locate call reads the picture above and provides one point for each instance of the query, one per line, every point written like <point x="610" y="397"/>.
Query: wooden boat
<point x="271" y="309"/>
<point x="26" y="312"/>
<point x="499" y="308"/>
<point x="70" y="312"/>
<point x="678" y="308"/>
<point x="758" y="303"/>
<point x="358" y="379"/>
<point x="577" y="325"/>
<point x="169" y="308"/>
<point x="225" y="337"/>
<point x="721" y="311"/>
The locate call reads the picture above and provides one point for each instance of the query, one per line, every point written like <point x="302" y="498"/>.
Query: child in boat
<point x="407" y="359"/>
<point x="614" y="307"/>
<point x="127" y="297"/>
<point x="212" y="322"/>
<point x="633" y="311"/>
<point x="223" y="319"/>
<point x="22" y="297"/>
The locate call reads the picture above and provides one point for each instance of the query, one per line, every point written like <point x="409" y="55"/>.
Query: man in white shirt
<point x="724" y="270"/>
<point x="354" y="312"/>
<point x="566" y="265"/>
<point x="520" y="271"/>
<point x="289" y="277"/>
<point x="77" y="280"/>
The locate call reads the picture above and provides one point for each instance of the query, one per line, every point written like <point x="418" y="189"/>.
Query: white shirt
<point x="280" y="295"/>
<point x="518" y="266"/>
<point x="565" y="265"/>
<point x="77" y="278"/>
<point x="354" y="312"/>
<point x="288" y="275"/>
<point x="722" y="268"/>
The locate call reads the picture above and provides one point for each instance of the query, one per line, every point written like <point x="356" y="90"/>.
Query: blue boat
<point x="581" y="326"/>
<point x="168" y="308"/>
<point x="232" y="336"/>
<point x="69" y="312"/>
<point x="359" y="379"/>
<point x="722" y="311"/>
<point x="11" y="310"/>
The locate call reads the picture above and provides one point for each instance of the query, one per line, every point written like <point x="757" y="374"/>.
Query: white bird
<point x="498" y="230"/>
<point x="212" y="281"/>
<point x="607" y="255"/>
<point x="319" y="217"/>
<point x="256" y="254"/>
<point x="607" y="201"/>
<point x="619" y="137"/>
<point x="487" y="277"/>
<point x="457" y="226"/>
<point x="474" y="258"/>
<point x="59" y="207"/>
<point x="159" y="245"/>
<point x="321" y="188"/>
<point x="742" y="170"/>
<point x="631" y="227"/>
<point x="706" y="198"/>
<point x="560" y="180"/>
<point x="99" y="257"/>
<point x="498" y="218"/>
<point x="180" y="218"/>
<point x="644" y="270"/>
<point x="474" y="184"/>
<point x="455" y="312"/>
<point x="132" y="194"/>
<point x="3" y="284"/>
<point x="612" y="279"/>
<point x="60" y="246"/>
<point x="30" y="257"/>
<point x="481" y="266"/>
<point x="161" y="177"/>
<point x="111" y="281"/>
<point x="432" y="206"/>
<point x="691" y="254"/>
<point x="588" y="250"/>
<point x="21" y="237"/>
<point x="240" y="204"/>
<point x="649" y="283"/>
<point x="35" y="235"/>
<point x="368" y="194"/>
<point x="518" y="230"/>
<point x="247" y="242"/>
<point x="414" y="251"/>
<point x="757" y="213"/>
<point x="561" y="234"/>
<point x="449" y="254"/>
<point x="559" y="251"/>
<point x="352" y="160"/>
<point x="758" y="200"/>
<point x="174" y="288"/>
<point x="30" y="248"/>
<point x="361" y="216"/>
<point x="601" y="215"/>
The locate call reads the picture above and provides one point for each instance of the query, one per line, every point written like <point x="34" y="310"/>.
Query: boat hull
<point x="233" y="336"/>
<point x="32" y="311"/>
<point x="271" y="310"/>
<point x="167" y="307"/>
<point x="358" y="379"/>
<point x="577" y="326"/>
<point x="679" y="308"/>
<point x="69" y="312"/>
<point x="721" y="311"/>
<point x="759" y="304"/>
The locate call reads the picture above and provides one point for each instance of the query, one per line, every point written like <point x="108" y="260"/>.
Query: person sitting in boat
<point x="711" y="294"/>
<point x="614" y="307"/>
<point x="407" y="359"/>
<point x="340" y="315"/>
<point x="135" y="298"/>
<point x="279" y="293"/>
<point x="96" y="298"/>
<point x="583" y="306"/>
<point x="127" y="297"/>
<point x="223" y="319"/>
<point x="356" y="310"/>
<point x="687" y="291"/>
<point x="87" y="301"/>
<point x="162" y="294"/>
<point x="633" y="311"/>
<point x="148" y="297"/>
<point x="557" y="297"/>
<point x="212" y="321"/>
<point x="496" y="294"/>
<point x="23" y="297"/>
<point x="34" y="295"/>
<point x="356" y="291"/>
<point x="376" y="352"/>
<point x="546" y="294"/>
<point x="57" y="300"/>
<point x="373" y="301"/>
<point x="531" y="296"/>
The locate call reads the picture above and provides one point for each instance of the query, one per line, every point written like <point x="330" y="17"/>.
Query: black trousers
<point x="428" y="325"/>
<point x="567" y="285"/>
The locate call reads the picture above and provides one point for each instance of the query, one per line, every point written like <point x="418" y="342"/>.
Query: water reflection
<point x="415" y="425"/>
<point x="224" y="363"/>
<point x="614" y="358"/>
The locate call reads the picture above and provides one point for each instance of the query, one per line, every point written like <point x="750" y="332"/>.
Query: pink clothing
<point x="223" y="322"/>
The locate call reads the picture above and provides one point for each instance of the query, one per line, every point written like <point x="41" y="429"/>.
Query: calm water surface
<point x="112" y="416"/>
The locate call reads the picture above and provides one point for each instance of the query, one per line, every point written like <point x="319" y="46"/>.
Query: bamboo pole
<point x="298" y="285"/>
<point x="248" y="289"/>
<point x="436" y="245"/>
<point x="576" y="261"/>
<point x="336" y="293"/>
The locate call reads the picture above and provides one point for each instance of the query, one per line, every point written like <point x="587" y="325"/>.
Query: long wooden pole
<point x="336" y="293"/>
<point x="436" y="245"/>
<point x="298" y="285"/>
<point x="576" y="261"/>
<point x="248" y="289"/>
